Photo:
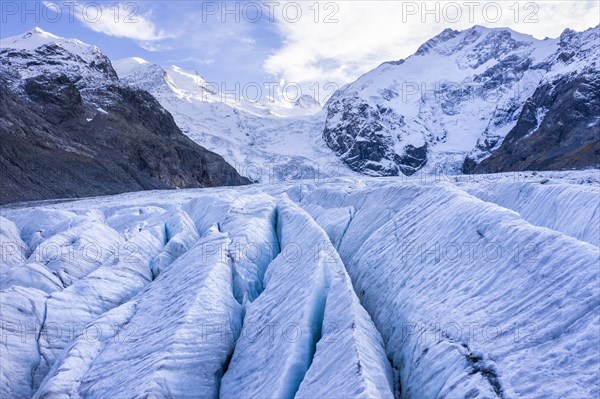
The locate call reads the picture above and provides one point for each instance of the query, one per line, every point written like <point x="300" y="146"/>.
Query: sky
<point x="311" y="46"/>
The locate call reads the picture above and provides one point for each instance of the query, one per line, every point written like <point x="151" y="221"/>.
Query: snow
<point x="429" y="286"/>
<point x="41" y="55"/>
<point x="346" y="288"/>
<point x="462" y="92"/>
<point x="130" y="65"/>
<point x="38" y="37"/>
<point x="265" y="141"/>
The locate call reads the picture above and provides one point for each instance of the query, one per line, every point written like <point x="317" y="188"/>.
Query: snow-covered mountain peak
<point x="589" y="38"/>
<point x="30" y="40"/>
<point x="574" y="53"/>
<point x="127" y="66"/>
<point x="444" y="36"/>
<point x="461" y="92"/>
<point x="307" y="102"/>
<point x="168" y="81"/>
<point x="38" y="37"/>
<point x="285" y="136"/>
<point x="191" y="86"/>
<point x="38" y="53"/>
<point x="485" y="42"/>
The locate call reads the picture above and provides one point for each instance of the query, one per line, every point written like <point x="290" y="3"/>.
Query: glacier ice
<point x="184" y="328"/>
<point x="468" y="287"/>
<point x="289" y="326"/>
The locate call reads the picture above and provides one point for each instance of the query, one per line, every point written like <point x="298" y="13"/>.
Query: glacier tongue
<point x="351" y="288"/>
<point x="468" y="297"/>
<point x="283" y="327"/>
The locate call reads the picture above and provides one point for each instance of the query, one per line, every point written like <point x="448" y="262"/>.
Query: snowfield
<point x="424" y="287"/>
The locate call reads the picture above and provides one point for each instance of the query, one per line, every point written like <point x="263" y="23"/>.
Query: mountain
<point x="480" y="100"/>
<point x="559" y="125"/>
<point x="307" y="102"/>
<point x="70" y="128"/>
<point x="464" y="103"/>
<point x="267" y="141"/>
<point x="355" y="288"/>
<point x="470" y="101"/>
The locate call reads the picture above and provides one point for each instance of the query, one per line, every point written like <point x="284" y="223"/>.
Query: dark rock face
<point x="501" y="101"/>
<point x="359" y="134"/>
<point x="558" y="128"/>
<point x="81" y="133"/>
<point x="559" y="125"/>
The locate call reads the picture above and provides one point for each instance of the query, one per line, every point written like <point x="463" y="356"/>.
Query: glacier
<point x="464" y="286"/>
<point x="268" y="140"/>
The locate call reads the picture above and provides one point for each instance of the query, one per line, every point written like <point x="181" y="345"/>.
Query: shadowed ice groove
<point x="251" y="223"/>
<point x="180" y="235"/>
<point x="349" y="361"/>
<point x="283" y="327"/>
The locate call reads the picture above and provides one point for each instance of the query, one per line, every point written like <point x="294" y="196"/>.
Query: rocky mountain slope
<point x="70" y="128"/>
<point x="481" y="100"/>
<point x="367" y="287"/>
<point x="559" y="125"/>
<point x="267" y="141"/>
<point x="454" y="102"/>
<point x="450" y="106"/>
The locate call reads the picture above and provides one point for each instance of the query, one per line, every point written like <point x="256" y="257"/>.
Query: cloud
<point x="368" y="33"/>
<point x="124" y="20"/>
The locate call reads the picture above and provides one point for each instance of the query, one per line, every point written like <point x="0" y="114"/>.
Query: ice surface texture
<point x="352" y="288"/>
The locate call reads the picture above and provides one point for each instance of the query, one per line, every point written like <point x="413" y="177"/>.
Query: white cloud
<point x="116" y="19"/>
<point x="135" y="26"/>
<point x="370" y="32"/>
